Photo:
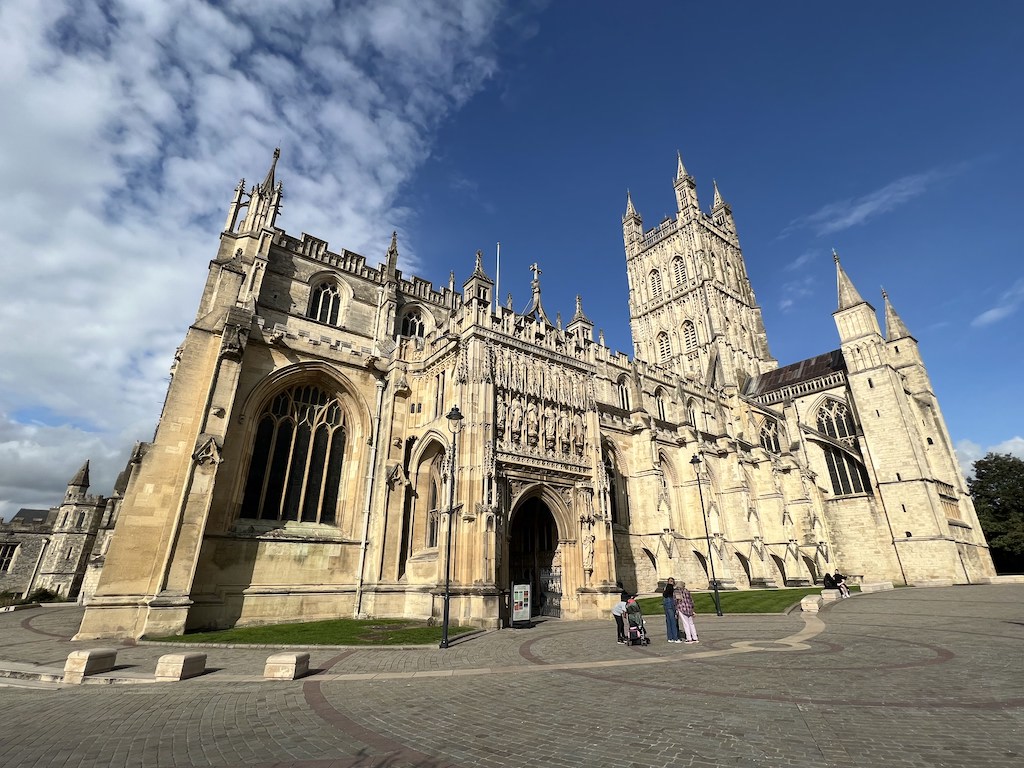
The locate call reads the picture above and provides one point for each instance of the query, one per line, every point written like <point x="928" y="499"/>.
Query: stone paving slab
<point x="905" y="677"/>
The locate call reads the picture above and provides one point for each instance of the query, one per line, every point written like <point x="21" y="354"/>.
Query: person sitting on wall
<point x="828" y="582"/>
<point x="840" y="581"/>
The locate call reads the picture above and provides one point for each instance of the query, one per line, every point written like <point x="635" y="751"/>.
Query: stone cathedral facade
<point x="304" y="466"/>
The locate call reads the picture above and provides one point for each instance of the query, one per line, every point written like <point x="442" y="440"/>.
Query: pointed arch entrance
<point x="534" y="557"/>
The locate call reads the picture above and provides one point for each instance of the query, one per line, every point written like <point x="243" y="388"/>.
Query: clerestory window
<point x="770" y="436"/>
<point x="412" y="324"/>
<point x="325" y="303"/>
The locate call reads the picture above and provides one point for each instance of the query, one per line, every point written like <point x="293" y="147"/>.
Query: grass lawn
<point x="747" y="601"/>
<point x="330" y="632"/>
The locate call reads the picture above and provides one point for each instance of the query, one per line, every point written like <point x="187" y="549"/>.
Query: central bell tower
<point x="691" y="307"/>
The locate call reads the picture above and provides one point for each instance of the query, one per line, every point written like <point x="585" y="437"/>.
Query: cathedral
<point x="341" y="439"/>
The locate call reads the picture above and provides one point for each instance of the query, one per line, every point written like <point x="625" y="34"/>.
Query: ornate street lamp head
<point x="695" y="461"/>
<point x="454" y="419"/>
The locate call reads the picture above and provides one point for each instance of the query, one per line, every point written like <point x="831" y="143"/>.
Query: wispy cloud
<point x="843" y="214"/>
<point x="968" y="452"/>
<point x="1009" y="302"/>
<point x="795" y="290"/>
<point x="124" y="132"/>
<point x="802" y="260"/>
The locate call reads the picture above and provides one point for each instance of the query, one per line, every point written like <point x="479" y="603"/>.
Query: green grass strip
<point x="329" y="632"/>
<point x="747" y="601"/>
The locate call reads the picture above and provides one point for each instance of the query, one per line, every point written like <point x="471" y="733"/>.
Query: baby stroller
<point x="636" y="632"/>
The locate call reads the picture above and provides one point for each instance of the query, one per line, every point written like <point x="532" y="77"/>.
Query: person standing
<point x="668" y="599"/>
<point x="684" y="608"/>
<point x="618" y="613"/>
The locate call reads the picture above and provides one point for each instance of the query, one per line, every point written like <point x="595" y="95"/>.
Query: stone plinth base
<point x="286" y="666"/>
<point x="90" y="662"/>
<point x="810" y="604"/>
<point x="180" y="666"/>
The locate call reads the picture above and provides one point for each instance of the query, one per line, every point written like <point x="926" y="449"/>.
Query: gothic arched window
<point x="659" y="399"/>
<point x="770" y="436"/>
<point x="835" y="420"/>
<point x="691" y="412"/>
<point x="325" y="303"/>
<point x="412" y="323"/>
<point x="689" y="336"/>
<point x="617" y="493"/>
<point x="679" y="270"/>
<point x="655" y="282"/>
<point x="847" y="475"/>
<point x="295" y="471"/>
<point x="624" y="394"/>
<point x="664" y="347"/>
<point x="434" y="502"/>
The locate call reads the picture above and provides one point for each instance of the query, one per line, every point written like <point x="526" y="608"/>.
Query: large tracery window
<point x="834" y="420"/>
<point x="434" y="503"/>
<point x="295" y="472"/>
<point x="664" y="347"/>
<point x="412" y="324"/>
<point x="679" y="270"/>
<point x="847" y="475"/>
<point x="325" y="303"/>
<point x="655" y="281"/>
<point x="770" y="436"/>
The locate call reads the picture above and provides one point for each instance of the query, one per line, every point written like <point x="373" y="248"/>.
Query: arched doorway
<point x="533" y="556"/>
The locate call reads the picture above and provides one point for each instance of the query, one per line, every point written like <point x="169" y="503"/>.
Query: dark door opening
<point x="532" y="556"/>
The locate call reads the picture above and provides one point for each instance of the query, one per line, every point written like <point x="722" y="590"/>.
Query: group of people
<point x="678" y="603"/>
<point x="678" y="613"/>
<point x="836" y="581"/>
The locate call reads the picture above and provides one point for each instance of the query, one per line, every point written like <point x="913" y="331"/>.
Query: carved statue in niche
<point x="499" y="417"/>
<point x="517" y="420"/>
<point x="549" y="428"/>
<point x="588" y="551"/>
<point x="532" y="425"/>
<point x="556" y="556"/>
<point x="579" y="434"/>
<point x="576" y="402"/>
<point x="563" y="431"/>
<point x="520" y="374"/>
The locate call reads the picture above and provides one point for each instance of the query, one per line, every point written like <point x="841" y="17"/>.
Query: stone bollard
<point x="286" y="666"/>
<point x="90" y="662"/>
<point x="810" y="604"/>
<point x="830" y="595"/>
<point x="173" y="667"/>
<point x="878" y="586"/>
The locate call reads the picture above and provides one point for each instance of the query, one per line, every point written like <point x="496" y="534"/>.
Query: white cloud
<point x="801" y="261"/>
<point x="125" y="130"/>
<point x="843" y="214"/>
<point x="1009" y="302"/>
<point x="795" y="290"/>
<point x="968" y="452"/>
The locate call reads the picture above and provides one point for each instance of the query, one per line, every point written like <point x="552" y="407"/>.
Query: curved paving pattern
<point x="926" y="677"/>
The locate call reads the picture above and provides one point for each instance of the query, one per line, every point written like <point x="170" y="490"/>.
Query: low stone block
<point x="88" y="662"/>
<point x="180" y="666"/>
<point x="810" y="604"/>
<point x="830" y="595"/>
<point x="286" y="666"/>
<point x="876" y="586"/>
<point x="932" y="583"/>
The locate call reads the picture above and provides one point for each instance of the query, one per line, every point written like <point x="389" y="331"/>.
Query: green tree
<point x="998" y="491"/>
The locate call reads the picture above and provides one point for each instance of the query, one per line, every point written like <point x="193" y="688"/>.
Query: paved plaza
<point x="910" y="677"/>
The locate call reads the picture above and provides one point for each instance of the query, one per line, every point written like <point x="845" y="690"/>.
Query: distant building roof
<point x="30" y="516"/>
<point x="805" y="370"/>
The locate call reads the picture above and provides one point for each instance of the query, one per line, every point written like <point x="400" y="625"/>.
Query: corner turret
<point x="632" y="228"/>
<point x="686" y="191"/>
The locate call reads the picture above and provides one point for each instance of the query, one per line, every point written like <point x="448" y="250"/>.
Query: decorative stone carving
<point x="208" y="451"/>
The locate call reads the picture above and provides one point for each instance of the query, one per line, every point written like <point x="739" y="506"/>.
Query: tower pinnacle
<point x="848" y="295"/>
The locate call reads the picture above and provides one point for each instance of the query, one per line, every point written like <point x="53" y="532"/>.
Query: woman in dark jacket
<point x="668" y="599"/>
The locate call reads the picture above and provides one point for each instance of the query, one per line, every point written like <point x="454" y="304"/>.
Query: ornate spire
<point x="268" y="183"/>
<point x="535" y="311"/>
<point x="680" y="168"/>
<point x="848" y="295"/>
<point x="630" y="210"/>
<point x="718" y="201"/>
<point x="579" y="312"/>
<point x="894" y="326"/>
<point x="81" y="478"/>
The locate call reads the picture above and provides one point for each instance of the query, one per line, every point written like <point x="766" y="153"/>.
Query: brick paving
<point x="911" y="677"/>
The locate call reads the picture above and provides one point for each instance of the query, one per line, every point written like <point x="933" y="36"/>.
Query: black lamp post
<point x="695" y="461"/>
<point x="454" y="426"/>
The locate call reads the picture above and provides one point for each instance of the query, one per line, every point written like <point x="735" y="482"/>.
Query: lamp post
<point x="696" y="461"/>
<point x="454" y="426"/>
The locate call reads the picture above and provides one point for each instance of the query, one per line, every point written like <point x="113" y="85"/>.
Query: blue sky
<point x="889" y="131"/>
